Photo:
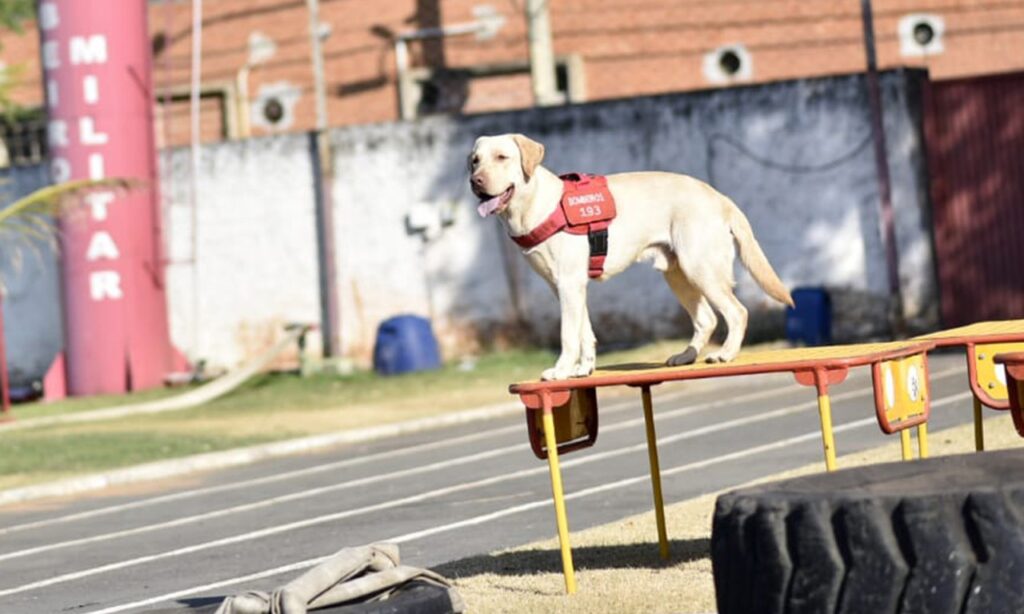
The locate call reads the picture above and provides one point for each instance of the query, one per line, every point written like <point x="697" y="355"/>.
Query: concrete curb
<point x="251" y="454"/>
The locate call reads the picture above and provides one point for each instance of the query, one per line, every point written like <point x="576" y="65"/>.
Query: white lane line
<point x="362" y="460"/>
<point x="408" y="537"/>
<point x="739" y="422"/>
<point x="263" y="503"/>
<point x="332" y="466"/>
<point x="614" y="407"/>
<point x="314" y="492"/>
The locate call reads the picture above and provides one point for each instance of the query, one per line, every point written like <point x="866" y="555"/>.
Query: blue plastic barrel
<point x="810" y="322"/>
<point x="405" y="344"/>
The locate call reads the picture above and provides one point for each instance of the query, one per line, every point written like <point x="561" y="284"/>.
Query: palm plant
<point x="29" y="222"/>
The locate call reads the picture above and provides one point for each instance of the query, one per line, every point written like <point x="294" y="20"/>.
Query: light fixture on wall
<point x="274" y="105"/>
<point x="273" y="110"/>
<point x="921" y="34"/>
<point x="728" y="64"/>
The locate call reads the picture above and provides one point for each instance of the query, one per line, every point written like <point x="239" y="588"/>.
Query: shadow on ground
<point x="622" y="556"/>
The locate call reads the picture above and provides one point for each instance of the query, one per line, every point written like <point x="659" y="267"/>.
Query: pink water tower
<point x="99" y="96"/>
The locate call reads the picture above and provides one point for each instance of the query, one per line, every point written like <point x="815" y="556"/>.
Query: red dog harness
<point x="586" y="208"/>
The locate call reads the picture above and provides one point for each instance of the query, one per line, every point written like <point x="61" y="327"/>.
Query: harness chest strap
<point x="586" y="207"/>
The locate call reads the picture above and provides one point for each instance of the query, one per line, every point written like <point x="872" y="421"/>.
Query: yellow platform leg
<point x="907" y="451"/>
<point x="922" y="440"/>
<point x="652" y="453"/>
<point x="556" y="491"/>
<point x="827" y="441"/>
<point x="979" y="428"/>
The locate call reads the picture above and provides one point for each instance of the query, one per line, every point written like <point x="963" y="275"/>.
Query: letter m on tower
<point x="89" y="49"/>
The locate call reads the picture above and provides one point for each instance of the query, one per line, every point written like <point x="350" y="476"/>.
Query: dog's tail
<point x="754" y="259"/>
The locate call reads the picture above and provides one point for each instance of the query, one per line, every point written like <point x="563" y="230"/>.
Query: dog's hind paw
<point x="686" y="357"/>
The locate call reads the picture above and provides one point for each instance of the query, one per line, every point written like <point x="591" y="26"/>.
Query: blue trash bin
<point x="404" y="344"/>
<point x="810" y="322"/>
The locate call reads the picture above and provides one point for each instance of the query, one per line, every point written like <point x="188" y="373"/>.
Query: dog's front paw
<point x="582" y="370"/>
<point x="555" y="373"/>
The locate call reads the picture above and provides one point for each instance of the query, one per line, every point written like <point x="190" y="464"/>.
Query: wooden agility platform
<point x="901" y="394"/>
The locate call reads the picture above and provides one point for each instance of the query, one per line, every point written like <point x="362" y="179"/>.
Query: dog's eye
<point x="501" y="157"/>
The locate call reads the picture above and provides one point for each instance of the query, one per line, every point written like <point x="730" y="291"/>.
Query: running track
<point x="443" y="495"/>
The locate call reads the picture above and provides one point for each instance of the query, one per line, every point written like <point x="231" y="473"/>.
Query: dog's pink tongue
<point x="489" y="206"/>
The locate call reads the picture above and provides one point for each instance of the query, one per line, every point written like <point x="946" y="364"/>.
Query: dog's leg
<point x="572" y="298"/>
<point x="701" y="314"/>
<point x="705" y="255"/>
<point x="588" y="347"/>
<point x="720" y="295"/>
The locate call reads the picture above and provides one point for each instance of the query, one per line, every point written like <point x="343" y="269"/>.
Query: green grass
<point x="56" y="454"/>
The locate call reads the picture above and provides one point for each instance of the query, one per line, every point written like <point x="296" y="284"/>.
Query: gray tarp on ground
<point x="365" y="573"/>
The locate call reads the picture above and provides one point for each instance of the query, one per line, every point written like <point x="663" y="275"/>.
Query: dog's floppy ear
<point x="472" y="152"/>
<point x="531" y="153"/>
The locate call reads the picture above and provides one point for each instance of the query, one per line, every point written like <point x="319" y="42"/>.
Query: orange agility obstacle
<point x="987" y="378"/>
<point x="562" y="414"/>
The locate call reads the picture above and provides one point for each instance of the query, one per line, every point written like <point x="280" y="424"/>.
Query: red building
<point x="257" y="76"/>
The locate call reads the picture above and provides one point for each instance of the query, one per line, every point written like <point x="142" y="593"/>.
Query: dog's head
<point x="499" y="167"/>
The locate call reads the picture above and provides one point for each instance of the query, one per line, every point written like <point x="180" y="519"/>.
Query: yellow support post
<point x="827" y="441"/>
<point x="922" y="440"/>
<point x="908" y="452"/>
<point x="559" y="497"/>
<point x="979" y="428"/>
<point x="652" y="453"/>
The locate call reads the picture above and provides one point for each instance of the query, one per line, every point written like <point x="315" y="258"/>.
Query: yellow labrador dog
<point x="683" y="226"/>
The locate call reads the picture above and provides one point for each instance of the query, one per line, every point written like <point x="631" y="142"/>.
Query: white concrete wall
<point x="795" y="156"/>
<point x="255" y="246"/>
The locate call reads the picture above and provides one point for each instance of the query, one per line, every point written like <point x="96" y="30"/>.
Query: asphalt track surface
<point x="443" y="495"/>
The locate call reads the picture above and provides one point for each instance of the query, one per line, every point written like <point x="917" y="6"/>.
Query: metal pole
<point x="542" y="55"/>
<point x="324" y="168"/>
<point x="558" y="493"/>
<point x="194" y="136"/>
<point x="888" y="225"/>
<point x="652" y="455"/>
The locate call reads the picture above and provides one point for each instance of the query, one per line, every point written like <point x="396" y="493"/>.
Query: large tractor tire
<point x="937" y="535"/>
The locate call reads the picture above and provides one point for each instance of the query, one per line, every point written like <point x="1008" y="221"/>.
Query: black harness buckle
<point x="598" y="242"/>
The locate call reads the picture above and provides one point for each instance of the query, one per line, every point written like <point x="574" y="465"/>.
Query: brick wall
<point x="627" y="48"/>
